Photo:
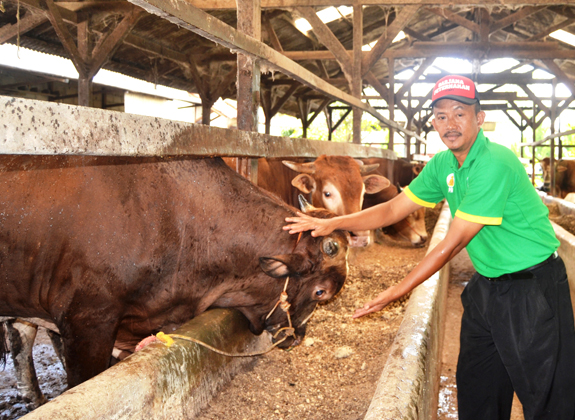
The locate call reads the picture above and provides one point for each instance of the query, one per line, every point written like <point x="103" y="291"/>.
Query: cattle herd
<point x="105" y="251"/>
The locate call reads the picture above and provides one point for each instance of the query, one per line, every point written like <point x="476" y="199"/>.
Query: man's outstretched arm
<point x="383" y="214"/>
<point x="459" y="235"/>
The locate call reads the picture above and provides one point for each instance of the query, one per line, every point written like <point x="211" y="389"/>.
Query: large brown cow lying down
<point x="113" y="249"/>
<point x="412" y="228"/>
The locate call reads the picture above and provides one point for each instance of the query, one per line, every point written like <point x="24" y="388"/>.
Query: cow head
<point x="412" y="228"/>
<point x="338" y="184"/>
<point x="317" y="269"/>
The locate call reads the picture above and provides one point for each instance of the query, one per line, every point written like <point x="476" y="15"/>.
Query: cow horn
<point x="304" y="168"/>
<point x="304" y="204"/>
<point x="363" y="169"/>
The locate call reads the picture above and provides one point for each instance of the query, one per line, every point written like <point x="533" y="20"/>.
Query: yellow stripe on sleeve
<point x="479" y="219"/>
<point x="416" y="199"/>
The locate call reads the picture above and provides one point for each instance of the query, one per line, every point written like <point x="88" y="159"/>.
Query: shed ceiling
<point x="160" y="52"/>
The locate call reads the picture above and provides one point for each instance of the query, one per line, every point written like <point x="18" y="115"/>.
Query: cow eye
<point x="327" y="194"/>
<point x="330" y="247"/>
<point x="319" y="293"/>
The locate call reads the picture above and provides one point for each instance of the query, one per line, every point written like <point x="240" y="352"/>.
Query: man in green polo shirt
<point x="517" y="331"/>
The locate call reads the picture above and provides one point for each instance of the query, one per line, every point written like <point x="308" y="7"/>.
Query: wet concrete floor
<point x="461" y="272"/>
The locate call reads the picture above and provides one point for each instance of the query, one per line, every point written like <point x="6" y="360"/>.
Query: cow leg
<point x="87" y="348"/>
<point x="57" y="344"/>
<point x="21" y="337"/>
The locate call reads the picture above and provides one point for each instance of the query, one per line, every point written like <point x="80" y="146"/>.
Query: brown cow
<point x="564" y="176"/>
<point x="412" y="228"/>
<point x="275" y="177"/>
<point x="338" y="184"/>
<point x="113" y="249"/>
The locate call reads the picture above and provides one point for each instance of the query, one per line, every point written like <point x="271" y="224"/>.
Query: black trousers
<point x="517" y="335"/>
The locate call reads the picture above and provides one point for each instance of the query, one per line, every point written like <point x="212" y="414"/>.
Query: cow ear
<point x="561" y="168"/>
<point x="306" y="168"/>
<point x="283" y="265"/>
<point x="375" y="183"/>
<point x="304" y="183"/>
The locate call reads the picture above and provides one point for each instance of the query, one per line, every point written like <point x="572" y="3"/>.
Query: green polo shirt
<point x="491" y="188"/>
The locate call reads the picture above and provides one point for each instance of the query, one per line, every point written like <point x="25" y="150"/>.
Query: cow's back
<point x="119" y="226"/>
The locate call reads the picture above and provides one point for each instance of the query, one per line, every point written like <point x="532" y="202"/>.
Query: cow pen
<point x="40" y="128"/>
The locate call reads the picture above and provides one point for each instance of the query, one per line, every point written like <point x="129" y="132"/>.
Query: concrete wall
<point x="160" y="382"/>
<point x="409" y="384"/>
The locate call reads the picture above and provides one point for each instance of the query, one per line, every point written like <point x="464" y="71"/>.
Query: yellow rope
<point x="167" y="339"/>
<point x="282" y="302"/>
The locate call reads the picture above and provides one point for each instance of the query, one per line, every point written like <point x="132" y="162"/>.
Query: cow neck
<point x="282" y="302"/>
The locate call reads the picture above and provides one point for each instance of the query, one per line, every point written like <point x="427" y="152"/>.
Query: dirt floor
<point x="334" y="373"/>
<point x="566" y="221"/>
<point x="50" y="372"/>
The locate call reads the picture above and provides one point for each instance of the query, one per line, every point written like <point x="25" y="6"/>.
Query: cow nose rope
<point x="168" y="339"/>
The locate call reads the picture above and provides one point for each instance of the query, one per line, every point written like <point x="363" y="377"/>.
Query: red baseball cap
<point x="458" y="88"/>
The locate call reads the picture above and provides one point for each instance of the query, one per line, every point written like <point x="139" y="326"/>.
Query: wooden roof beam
<point x="66" y="14"/>
<point x="186" y="16"/>
<point x="401" y="20"/>
<point x="514" y="17"/>
<point x="416" y="75"/>
<point x="327" y="38"/>
<point x="27" y="23"/>
<point x="273" y="37"/>
<point x="551" y="29"/>
<point x="455" y="18"/>
<point x="560" y="75"/>
<point x="275" y="4"/>
<point x="469" y="50"/>
<point x="105" y="48"/>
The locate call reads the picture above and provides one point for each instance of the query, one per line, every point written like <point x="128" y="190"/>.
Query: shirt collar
<point x="475" y="150"/>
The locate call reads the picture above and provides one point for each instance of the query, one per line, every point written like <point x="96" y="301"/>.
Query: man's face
<point x="457" y="125"/>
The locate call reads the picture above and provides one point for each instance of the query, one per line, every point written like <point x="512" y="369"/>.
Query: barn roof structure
<point x="199" y="45"/>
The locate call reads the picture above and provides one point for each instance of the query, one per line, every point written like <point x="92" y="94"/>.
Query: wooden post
<point x="329" y="122"/>
<point x="391" y="97"/>
<point x="357" y="83"/>
<point x="248" y="80"/>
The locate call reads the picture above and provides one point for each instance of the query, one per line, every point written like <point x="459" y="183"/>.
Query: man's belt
<point x="526" y="273"/>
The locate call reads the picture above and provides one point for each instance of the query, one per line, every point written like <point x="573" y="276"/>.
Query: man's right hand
<point x="303" y="222"/>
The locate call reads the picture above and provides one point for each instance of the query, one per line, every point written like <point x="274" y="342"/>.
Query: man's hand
<point x="303" y="222"/>
<point x="377" y="304"/>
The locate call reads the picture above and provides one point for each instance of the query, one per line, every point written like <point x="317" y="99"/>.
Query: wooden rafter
<point x="416" y="75"/>
<point x="469" y="50"/>
<point x="281" y="101"/>
<point x="385" y="40"/>
<point x="105" y="48"/>
<point x="274" y="4"/>
<point x="27" y="23"/>
<point x="551" y="29"/>
<point x="560" y="74"/>
<point x="186" y="16"/>
<point x="514" y="17"/>
<point x="66" y="38"/>
<point x="455" y="18"/>
<point x="327" y="38"/>
<point x="274" y="40"/>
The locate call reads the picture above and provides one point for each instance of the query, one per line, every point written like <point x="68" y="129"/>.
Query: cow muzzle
<point x="359" y="239"/>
